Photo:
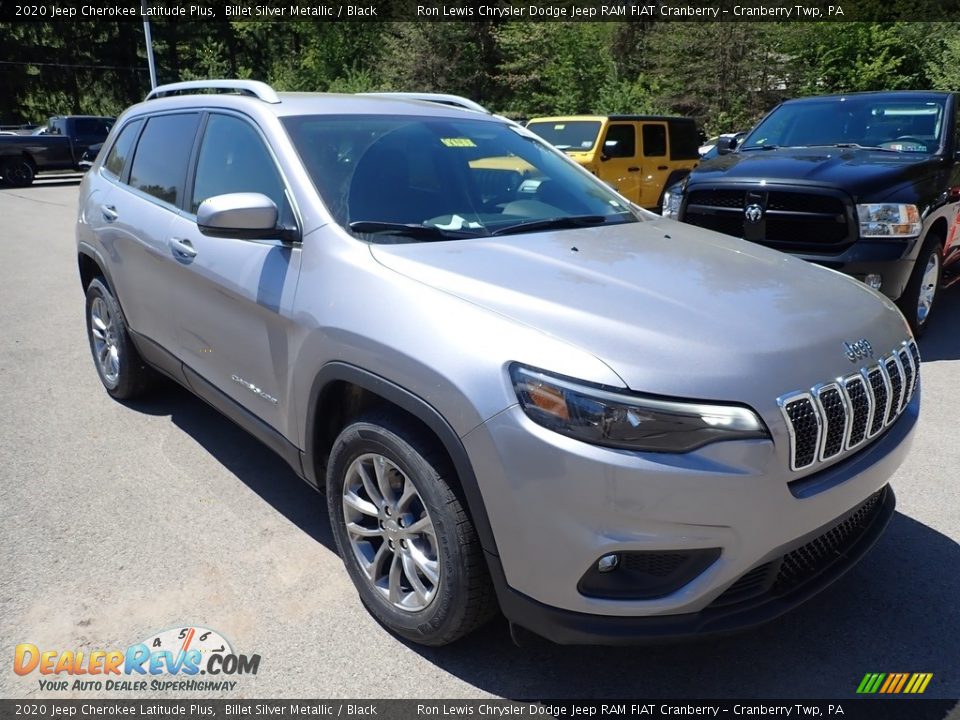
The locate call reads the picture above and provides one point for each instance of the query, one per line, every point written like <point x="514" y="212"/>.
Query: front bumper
<point x="573" y="628"/>
<point x="889" y="259"/>
<point x="556" y="505"/>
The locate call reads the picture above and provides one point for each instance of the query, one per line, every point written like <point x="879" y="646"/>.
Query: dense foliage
<point x="724" y="74"/>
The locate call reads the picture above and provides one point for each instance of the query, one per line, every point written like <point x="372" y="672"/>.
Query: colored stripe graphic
<point x="894" y="683"/>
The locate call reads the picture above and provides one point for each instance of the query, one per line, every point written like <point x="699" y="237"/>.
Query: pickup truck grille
<point x="790" y="219"/>
<point x="839" y="416"/>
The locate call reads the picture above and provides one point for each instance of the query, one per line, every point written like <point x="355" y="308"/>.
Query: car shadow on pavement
<point x="896" y="611"/>
<point x="258" y="467"/>
<point x="942" y="341"/>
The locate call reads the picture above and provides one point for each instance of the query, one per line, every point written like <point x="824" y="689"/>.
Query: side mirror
<point x="248" y="216"/>
<point x="726" y="145"/>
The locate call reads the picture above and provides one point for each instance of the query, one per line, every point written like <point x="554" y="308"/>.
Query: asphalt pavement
<point x="118" y="521"/>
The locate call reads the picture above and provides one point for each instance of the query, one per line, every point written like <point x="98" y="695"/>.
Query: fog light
<point x="873" y="280"/>
<point x="608" y="563"/>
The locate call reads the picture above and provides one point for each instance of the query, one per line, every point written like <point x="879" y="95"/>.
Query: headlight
<point x="671" y="202"/>
<point x="623" y="420"/>
<point x="888" y="220"/>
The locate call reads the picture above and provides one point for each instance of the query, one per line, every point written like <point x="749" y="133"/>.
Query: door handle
<point x="183" y="248"/>
<point x="633" y="169"/>
<point x="109" y="213"/>
<point x="663" y="167"/>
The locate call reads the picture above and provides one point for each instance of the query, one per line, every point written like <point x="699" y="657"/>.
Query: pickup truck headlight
<point x="672" y="197"/>
<point x="624" y="420"/>
<point x="889" y="220"/>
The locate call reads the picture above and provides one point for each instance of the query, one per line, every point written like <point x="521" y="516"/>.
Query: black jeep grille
<point x="860" y="405"/>
<point x="807" y="561"/>
<point x="804" y="563"/>
<point x="806" y="430"/>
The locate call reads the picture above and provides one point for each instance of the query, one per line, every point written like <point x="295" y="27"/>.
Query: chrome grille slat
<point x="840" y="416"/>
<point x="915" y="354"/>
<point x="805" y="426"/>
<point x="860" y="403"/>
<point x="892" y="366"/>
<point x="906" y="363"/>
<point x="833" y="411"/>
<point x="880" y="388"/>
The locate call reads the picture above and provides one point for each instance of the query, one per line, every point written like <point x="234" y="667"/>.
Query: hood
<point x="672" y="309"/>
<point x="860" y="172"/>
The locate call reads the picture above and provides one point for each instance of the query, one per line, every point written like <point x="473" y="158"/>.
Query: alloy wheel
<point x="106" y="348"/>
<point x="390" y="532"/>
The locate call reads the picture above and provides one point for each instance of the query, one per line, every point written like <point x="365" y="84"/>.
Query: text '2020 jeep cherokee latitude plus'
<point x="612" y="425"/>
<point x="866" y="183"/>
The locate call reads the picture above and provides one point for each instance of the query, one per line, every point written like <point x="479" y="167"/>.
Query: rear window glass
<point x="93" y="126"/>
<point x="160" y="164"/>
<point x="121" y="149"/>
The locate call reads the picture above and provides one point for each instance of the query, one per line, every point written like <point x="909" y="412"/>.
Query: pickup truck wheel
<point x="406" y="540"/>
<point x="920" y="296"/>
<point x="18" y="172"/>
<point x="122" y="372"/>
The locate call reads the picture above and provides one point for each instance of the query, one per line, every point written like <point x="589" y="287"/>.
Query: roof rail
<point x="253" y="88"/>
<point x="439" y="98"/>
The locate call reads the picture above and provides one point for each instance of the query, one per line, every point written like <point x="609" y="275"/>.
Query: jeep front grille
<point x="839" y="416"/>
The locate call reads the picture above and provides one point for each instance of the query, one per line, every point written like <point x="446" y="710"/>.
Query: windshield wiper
<point x="376" y="227"/>
<point x="854" y="146"/>
<point x="760" y="147"/>
<point x="567" y="221"/>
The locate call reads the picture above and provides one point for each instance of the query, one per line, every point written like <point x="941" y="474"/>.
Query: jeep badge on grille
<point x="858" y="350"/>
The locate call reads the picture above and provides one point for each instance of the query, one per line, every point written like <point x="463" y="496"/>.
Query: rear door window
<point x="621" y="141"/>
<point x="654" y="140"/>
<point x="160" y="163"/>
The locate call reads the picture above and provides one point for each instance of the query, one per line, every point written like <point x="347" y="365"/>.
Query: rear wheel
<point x="405" y="538"/>
<point x="919" y="298"/>
<point x="17" y="172"/>
<point x="123" y="373"/>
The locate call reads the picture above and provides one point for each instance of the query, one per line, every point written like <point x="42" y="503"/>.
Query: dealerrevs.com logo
<point x="169" y="660"/>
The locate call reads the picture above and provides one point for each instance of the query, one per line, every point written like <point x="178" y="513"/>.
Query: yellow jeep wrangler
<point x="638" y="155"/>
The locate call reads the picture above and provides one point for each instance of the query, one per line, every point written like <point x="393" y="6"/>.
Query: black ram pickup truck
<point x="61" y="147"/>
<point x="865" y="183"/>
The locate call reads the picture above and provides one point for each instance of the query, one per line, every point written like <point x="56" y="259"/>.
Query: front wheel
<point x="402" y="531"/>
<point x="920" y="296"/>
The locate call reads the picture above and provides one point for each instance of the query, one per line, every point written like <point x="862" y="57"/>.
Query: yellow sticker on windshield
<point x="458" y="142"/>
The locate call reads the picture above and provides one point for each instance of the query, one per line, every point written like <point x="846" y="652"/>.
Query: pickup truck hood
<point x="672" y="309"/>
<point x="862" y="173"/>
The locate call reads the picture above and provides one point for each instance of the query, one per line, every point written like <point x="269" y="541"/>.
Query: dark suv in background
<point x="865" y="183"/>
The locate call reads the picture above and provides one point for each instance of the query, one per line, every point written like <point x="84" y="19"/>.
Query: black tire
<point x="924" y="280"/>
<point x="18" y="172"/>
<point x="463" y="597"/>
<point x="133" y="378"/>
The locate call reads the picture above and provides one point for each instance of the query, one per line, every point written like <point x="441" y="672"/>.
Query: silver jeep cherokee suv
<point x="515" y="388"/>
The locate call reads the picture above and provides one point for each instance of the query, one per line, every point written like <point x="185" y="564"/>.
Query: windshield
<point x="576" y="135"/>
<point x="428" y="178"/>
<point x="893" y="124"/>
